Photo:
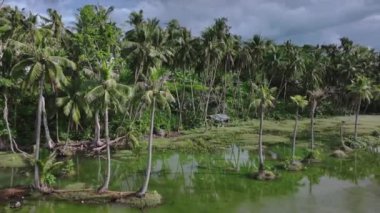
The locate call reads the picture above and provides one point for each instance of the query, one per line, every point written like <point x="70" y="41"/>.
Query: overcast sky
<point x="302" y="21"/>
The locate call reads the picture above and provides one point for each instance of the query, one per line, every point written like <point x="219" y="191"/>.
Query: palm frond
<point x="94" y="93"/>
<point x="35" y="72"/>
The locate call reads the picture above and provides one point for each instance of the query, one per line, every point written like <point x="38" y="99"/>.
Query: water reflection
<point x="217" y="182"/>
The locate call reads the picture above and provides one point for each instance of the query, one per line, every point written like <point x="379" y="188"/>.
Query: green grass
<point x="275" y="132"/>
<point x="11" y="160"/>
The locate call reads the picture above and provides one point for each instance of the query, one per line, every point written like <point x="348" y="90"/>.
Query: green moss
<point x="150" y="199"/>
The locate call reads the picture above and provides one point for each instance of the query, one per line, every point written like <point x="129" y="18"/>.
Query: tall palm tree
<point x="258" y="48"/>
<point x="7" y="60"/>
<point x="213" y="44"/>
<point x="39" y="64"/>
<point x="109" y="93"/>
<point x="155" y="94"/>
<point x="263" y="99"/>
<point x="293" y="68"/>
<point x="315" y="96"/>
<point x="229" y="54"/>
<point x="361" y="88"/>
<point x="61" y="37"/>
<point x="146" y="45"/>
<point x="300" y="102"/>
<point x="315" y="64"/>
<point x="55" y="23"/>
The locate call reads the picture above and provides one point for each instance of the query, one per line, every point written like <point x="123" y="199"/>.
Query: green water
<point x="218" y="183"/>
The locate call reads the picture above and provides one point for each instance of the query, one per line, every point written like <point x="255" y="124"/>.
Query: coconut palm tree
<point x="41" y="63"/>
<point x="155" y="94"/>
<point x="263" y="99"/>
<point x="361" y="88"/>
<point x="108" y="93"/>
<point x="7" y="60"/>
<point x="54" y="23"/>
<point x="213" y="44"/>
<point x="73" y="102"/>
<point x="300" y="102"/>
<point x="314" y="97"/>
<point x="293" y="68"/>
<point x="145" y="44"/>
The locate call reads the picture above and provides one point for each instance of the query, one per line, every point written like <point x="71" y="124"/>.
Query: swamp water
<point x="218" y="182"/>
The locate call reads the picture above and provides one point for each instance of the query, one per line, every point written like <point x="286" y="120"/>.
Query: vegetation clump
<point x="264" y="175"/>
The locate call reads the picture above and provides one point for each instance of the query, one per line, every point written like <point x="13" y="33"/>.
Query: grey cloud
<point x="302" y="21"/>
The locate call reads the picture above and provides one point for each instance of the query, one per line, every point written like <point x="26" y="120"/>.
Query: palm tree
<point x="61" y="38"/>
<point x="229" y="55"/>
<point x="73" y="103"/>
<point x="301" y="102"/>
<point x="40" y="63"/>
<point x="258" y="47"/>
<point x="293" y="68"/>
<point x="263" y="99"/>
<point x="154" y="94"/>
<point x="146" y="44"/>
<point x="213" y="44"/>
<point x="6" y="63"/>
<point x="109" y="93"/>
<point x="315" y="64"/>
<point x="361" y="88"/>
<point x="54" y="23"/>
<point x="314" y="97"/>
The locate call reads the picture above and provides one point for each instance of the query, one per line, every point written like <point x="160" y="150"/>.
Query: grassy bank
<point x="12" y="160"/>
<point x="275" y="132"/>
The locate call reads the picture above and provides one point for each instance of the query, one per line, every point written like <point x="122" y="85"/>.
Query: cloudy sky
<point x="302" y="21"/>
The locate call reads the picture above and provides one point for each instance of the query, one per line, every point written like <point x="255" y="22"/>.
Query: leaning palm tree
<point x="109" y="93"/>
<point x="155" y="94"/>
<point x="301" y="102"/>
<point x="361" y="88"/>
<point x="41" y="63"/>
<point x="263" y="99"/>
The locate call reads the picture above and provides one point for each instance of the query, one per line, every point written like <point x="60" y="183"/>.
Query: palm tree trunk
<point x="5" y="116"/>
<point x="281" y="87"/>
<point x="285" y="87"/>
<point x="224" y="96"/>
<point x="312" y="113"/>
<point x="144" y="188"/>
<point x="56" y="119"/>
<point x="105" y="185"/>
<point x="12" y="142"/>
<point x="342" y="134"/>
<point x="261" y="156"/>
<point x="294" y="137"/>
<point x="97" y="141"/>
<point x="140" y="70"/>
<point x="68" y="131"/>
<point x="179" y="107"/>
<point x="192" y="95"/>
<point x="357" y="118"/>
<point x="49" y="141"/>
<point x="57" y="126"/>
<point x="208" y="97"/>
<point x="38" y="134"/>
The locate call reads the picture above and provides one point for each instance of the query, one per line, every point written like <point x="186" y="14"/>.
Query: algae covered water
<point x="218" y="182"/>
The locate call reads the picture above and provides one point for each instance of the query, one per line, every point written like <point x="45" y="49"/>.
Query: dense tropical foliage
<point x="72" y="78"/>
